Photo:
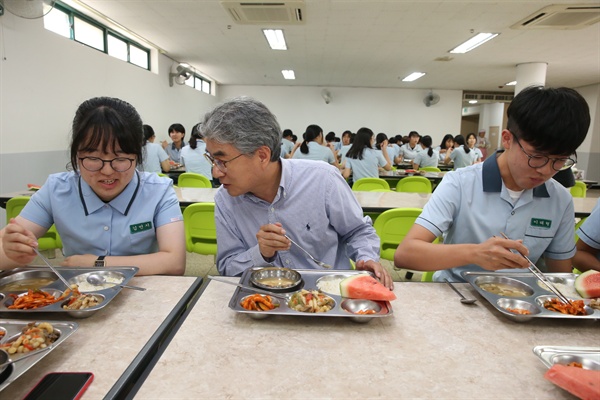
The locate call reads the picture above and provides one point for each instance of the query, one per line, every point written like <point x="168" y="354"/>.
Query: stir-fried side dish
<point x="365" y="312"/>
<point x="81" y="301"/>
<point x="595" y="303"/>
<point x="258" y="302"/>
<point x="38" y="298"/>
<point x="575" y="364"/>
<point x="575" y="308"/>
<point x="35" y="336"/>
<point x="520" y="311"/>
<point x="311" y="301"/>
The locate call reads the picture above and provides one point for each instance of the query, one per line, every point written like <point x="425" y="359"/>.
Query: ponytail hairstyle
<point x="312" y="132"/>
<point x="361" y="142"/>
<point x="148" y="132"/>
<point x="460" y="140"/>
<point x="426" y="142"/>
<point x="379" y="139"/>
<point x="196" y="135"/>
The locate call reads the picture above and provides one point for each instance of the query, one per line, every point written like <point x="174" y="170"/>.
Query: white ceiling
<point x="352" y="43"/>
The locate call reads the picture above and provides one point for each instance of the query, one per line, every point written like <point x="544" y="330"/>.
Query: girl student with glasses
<point x="106" y="212"/>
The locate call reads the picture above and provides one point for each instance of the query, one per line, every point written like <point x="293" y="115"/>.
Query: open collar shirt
<point x="472" y="204"/>
<point x="317" y="209"/>
<point x="589" y="231"/>
<point x="87" y="225"/>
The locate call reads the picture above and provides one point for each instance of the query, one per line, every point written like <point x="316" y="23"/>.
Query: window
<point x="75" y="26"/>
<point x="201" y="84"/>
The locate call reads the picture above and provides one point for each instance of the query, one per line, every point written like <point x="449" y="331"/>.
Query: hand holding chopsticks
<point x="539" y="274"/>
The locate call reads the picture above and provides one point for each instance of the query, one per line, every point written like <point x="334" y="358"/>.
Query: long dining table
<point x="120" y="343"/>
<point x="369" y="201"/>
<point x="432" y="346"/>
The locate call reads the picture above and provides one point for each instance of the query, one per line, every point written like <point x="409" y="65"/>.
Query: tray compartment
<point x="25" y="280"/>
<point x="533" y="301"/>
<point x="309" y="278"/>
<point x="589" y="357"/>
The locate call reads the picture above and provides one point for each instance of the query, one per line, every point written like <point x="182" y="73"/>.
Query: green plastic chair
<point x="579" y="190"/>
<point x="193" y="180"/>
<point x="50" y="240"/>
<point x="427" y="276"/>
<point x="200" y="228"/>
<point x="414" y="184"/>
<point x="371" y="185"/>
<point x="430" y="169"/>
<point x="392" y="226"/>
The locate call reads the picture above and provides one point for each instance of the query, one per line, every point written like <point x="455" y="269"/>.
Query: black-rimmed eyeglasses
<point x="221" y="164"/>
<point x="119" y="164"/>
<point x="540" y="161"/>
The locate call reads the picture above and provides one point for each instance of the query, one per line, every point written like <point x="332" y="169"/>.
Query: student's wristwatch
<point x="100" y="262"/>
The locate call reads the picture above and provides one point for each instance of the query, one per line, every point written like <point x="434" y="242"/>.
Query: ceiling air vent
<point x="252" y="12"/>
<point x="561" y="16"/>
<point x="488" y="97"/>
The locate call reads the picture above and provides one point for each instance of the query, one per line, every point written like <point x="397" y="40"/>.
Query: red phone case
<point x="79" y="393"/>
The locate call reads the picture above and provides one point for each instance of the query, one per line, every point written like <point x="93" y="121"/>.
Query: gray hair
<point x="245" y="123"/>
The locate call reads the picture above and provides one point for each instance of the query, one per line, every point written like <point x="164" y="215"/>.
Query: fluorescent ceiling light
<point x="472" y="101"/>
<point x="275" y="39"/>
<point x="288" y="74"/>
<point x="513" y="83"/>
<point x="475" y="41"/>
<point x="413" y="77"/>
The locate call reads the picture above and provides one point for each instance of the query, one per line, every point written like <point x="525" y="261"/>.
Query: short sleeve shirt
<point x="194" y="159"/>
<point x="460" y="158"/>
<point x="424" y="160"/>
<point x="410" y="153"/>
<point x="122" y="227"/>
<point x="368" y="167"/>
<point x="472" y="205"/>
<point x="589" y="231"/>
<point x="153" y="154"/>
<point x="175" y="153"/>
<point x="316" y="152"/>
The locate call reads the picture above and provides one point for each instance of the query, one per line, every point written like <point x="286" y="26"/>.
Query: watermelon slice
<point x="583" y="383"/>
<point x="588" y="284"/>
<point x="366" y="287"/>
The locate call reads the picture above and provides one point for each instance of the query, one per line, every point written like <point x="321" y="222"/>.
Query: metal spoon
<point x="99" y="280"/>
<point x="463" y="299"/>
<point x="6" y="361"/>
<point x="319" y="263"/>
<point x="45" y="260"/>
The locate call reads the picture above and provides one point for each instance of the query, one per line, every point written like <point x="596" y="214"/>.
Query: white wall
<point x="392" y="111"/>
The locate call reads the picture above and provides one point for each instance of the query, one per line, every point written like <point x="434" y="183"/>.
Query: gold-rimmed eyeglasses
<point x="119" y="164"/>
<point x="540" y="161"/>
<point x="221" y="164"/>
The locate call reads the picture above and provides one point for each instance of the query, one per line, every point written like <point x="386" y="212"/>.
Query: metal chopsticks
<point x="540" y="275"/>
<point x="45" y="260"/>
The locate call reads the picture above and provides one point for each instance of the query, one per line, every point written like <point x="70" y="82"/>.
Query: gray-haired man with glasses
<point x="512" y="192"/>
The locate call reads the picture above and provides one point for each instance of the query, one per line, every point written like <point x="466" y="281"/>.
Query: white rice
<point x="85" y="286"/>
<point x="331" y="286"/>
<point x="568" y="290"/>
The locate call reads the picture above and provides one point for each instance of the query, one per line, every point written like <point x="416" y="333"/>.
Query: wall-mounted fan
<point x="180" y="73"/>
<point x="326" y="95"/>
<point x="30" y="9"/>
<point x="431" y="99"/>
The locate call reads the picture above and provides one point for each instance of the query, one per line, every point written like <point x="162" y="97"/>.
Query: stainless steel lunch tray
<point x="589" y="357"/>
<point x="72" y="275"/>
<point x="309" y="282"/>
<point x="13" y="330"/>
<point x="534" y="301"/>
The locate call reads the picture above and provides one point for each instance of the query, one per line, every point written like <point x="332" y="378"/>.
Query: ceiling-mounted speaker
<point x="326" y="94"/>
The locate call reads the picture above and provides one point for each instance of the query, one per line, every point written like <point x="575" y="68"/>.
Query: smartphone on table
<point x="61" y="386"/>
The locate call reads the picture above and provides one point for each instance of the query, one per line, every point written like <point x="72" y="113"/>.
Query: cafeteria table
<point x="432" y="346"/>
<point x="120" y="342"/>
<point x="369" y="201"/>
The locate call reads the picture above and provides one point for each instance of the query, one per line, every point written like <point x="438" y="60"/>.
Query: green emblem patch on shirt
<point x="141" y="227"/>
<point x="541" y="223"/>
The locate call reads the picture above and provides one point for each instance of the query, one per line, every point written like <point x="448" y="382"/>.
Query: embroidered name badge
<point x="541" y="223"/>
<point x="141" y="227"/>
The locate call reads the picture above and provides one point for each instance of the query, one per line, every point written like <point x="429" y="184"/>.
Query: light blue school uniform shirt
<point x="316" y="152"/>
<point x="175" y="153"/>
<point x="317" y="209"/>
<point x="424" y="160"/>
<point x="472" y="204"/>
<point x="344" y="151"/>
<point x="460" y="158"/>
<point x="124" y="226"/>
<point x="408" y="152"/>
<point x="286" y="147"/>
<point x="589" y="231"/>
<point x="194" y="159"/>
<point x="393" y="151"/>
<point x="368" y="167"/>
<point x="476" y="154"/>
<point x="153" y="154"/>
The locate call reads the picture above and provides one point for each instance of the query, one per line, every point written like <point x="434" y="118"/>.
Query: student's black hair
<point x="413" y="133"/>
<point x="468" y="136"/>
<point x="196" y="135"/>
<point x="552" y="120"/>
<point x="294" y="138"/>
<point x="287" y="133"/>
<point x="460" y="140"/>
<point x="330" y="137"/>
<point x="106" y="123"/>
<point x="312" y="132"/>
<point x="178" y="128"/>
<point x="427" y="141"/>
<point x="361" y="142"/>
<point x="379" y="139"/>
<point x="148" y="132"/>
<point x="445" y="139"/>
